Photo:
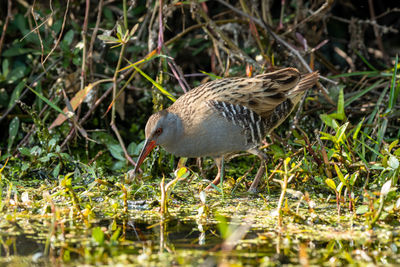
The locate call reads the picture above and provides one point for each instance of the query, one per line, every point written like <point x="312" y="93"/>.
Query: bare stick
<point x="5" y="26"/>
<point x="84" y="50"/>
<point x="93" y="38"/>
<point x="376" y="32"/>
<point x="60" y="35"/>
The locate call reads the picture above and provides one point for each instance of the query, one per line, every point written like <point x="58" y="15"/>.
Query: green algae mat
<point x="100" y="223"/>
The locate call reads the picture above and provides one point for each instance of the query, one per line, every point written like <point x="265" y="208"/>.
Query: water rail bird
<point x="227" y="115"/>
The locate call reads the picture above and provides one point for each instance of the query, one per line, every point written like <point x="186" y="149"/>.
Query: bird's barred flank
<point x="253" y="125"/>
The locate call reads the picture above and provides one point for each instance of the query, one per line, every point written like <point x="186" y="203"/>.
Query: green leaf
<point x="66" y="256"/>
<point x="98" y="235"/>
<point x="120" y="30"/>
<point x="362" y="209"/>
<point x="25" y="166"/>
<point x="182" y="173"/>
<point x="353" y="178"/>
<point x="116" y="151"/>
<point x="52" y="143"/>
<point x="340" y="107"/>
<point x="45" y="158"/>
<point x="331" y="184"/>
<point x="56" y="170"/>
<point x="393" y="163"/>
<point x="340" y="187"/>
<point x="16" y="73"/>
<point x="132" y="148"/>
<point x="104" y="138"/>
<point x="378" y="104"/>
<point x="5" y="67"/>
<point x="358" y="128"/>
<point x="223" y="226"/>
<point x="340" y="175"/>
<point x="16" y="93"/>
<point x="17" y="51"/>
<point x="277" y="151"/>
<point x="393" y="144"/>
<point x="328" y="120"/>
<point x="36" y="151"/>
<point x="116" y="234"/>
<point x="4" y="98"/>
<point x="25" y="151"/>
<point x="108" y="39"/>
<point x="69" y="37"/>
<point x="326" y="136"/>
<point x="13" y="131"/>
<point x="381" y="133"/>
<point x="216" y="188"/>
<point x="340" y="134"/>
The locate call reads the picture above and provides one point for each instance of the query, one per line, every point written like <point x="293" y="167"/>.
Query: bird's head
<point x="162" y="128"/>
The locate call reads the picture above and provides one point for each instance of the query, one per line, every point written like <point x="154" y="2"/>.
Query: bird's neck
<point x="176" y="132"/>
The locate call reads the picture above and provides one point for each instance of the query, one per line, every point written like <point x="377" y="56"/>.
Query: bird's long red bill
<point x="147" y="148"/>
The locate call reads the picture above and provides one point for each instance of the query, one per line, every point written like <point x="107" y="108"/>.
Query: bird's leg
<point x="219" y="162"/>
<point x="261" y="170"/>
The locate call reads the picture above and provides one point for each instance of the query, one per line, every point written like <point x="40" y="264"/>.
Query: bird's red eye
<point x="159" y="131"/>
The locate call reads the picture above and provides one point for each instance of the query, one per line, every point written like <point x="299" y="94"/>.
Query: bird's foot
<point x="252" y="190"/>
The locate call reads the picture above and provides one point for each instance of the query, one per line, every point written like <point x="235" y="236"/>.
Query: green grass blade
<point x="357" y="129"/>
<point x="340" y="107"/>
<point x="360" y="73"/>
<point x="156" y="84"/>
<point x="364" y="144"/>
<point x="48" y="102"/>
<point x="378" y="103"/>
<point x="211" y="75"/>
<point x="362" y="92"/>
<point x="381" y="134"/>
<point x="394" y="91"/>
<point x="365" y="61"/>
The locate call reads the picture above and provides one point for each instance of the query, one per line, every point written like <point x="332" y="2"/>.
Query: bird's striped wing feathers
<point x="262" y="93"/>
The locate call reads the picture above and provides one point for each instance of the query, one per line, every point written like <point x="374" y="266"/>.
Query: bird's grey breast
<point x="207" y="133"/>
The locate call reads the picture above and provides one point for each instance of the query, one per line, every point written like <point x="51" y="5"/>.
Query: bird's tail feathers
<point x="306" y="82"/>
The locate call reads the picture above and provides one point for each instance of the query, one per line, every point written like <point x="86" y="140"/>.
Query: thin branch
<point x="94" y="34"/>
<point x="382" y="28"/>
<point x="36" y="29"/>
<point x="376" y="31"/>
<point x="84" y="50"/>
<point x="5" y="26"/>
<point x="324" y="7"/>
